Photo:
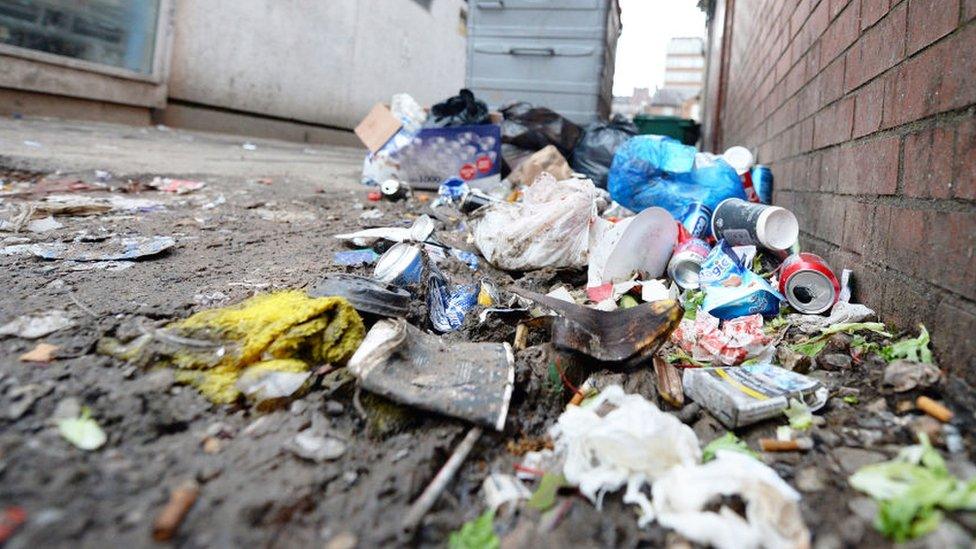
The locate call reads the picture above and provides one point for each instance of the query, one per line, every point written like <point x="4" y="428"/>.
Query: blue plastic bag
<point x="653" y="170"/>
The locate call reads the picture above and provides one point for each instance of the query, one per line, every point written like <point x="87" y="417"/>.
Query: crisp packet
<point x="732" y="290"/>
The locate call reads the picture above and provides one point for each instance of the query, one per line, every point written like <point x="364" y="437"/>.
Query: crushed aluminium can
<point x="401" y="265"/>
<point x="762" y="183"/>
<point x="686" y="262"/>
<point x="697" y="219"/>
<point x="808" y="283"/>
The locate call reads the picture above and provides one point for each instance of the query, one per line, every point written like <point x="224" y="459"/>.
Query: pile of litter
<point x="668" y="260"/>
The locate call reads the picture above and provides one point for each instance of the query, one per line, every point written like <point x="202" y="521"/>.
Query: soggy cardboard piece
<point x="610" y="336"/>
<point x="378" y="127"/>
<point x="470" y="381"/>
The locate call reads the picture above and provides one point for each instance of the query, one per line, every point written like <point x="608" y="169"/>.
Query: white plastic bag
<point x="633" y="444"/>
<point x="549" y="228"/>
<point x="772" y="518"/>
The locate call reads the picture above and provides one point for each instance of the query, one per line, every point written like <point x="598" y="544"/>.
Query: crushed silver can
<point x="686" y="263"/>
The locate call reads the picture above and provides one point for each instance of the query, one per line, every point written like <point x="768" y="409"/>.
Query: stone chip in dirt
<point x="37" y="325"/>
<point x="319" y="448"/>
<point x="905" y="375"/>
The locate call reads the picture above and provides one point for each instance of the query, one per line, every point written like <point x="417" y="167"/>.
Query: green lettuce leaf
<point x="476" y="534"/>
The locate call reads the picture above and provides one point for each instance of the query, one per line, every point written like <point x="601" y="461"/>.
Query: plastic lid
<point x="777" y="228"/>
<point x="740" y="158"/>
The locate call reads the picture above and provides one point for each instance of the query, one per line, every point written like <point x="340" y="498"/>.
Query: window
<point x="117" y="33"/>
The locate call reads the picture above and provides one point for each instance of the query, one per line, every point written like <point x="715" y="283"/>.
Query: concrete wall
<point x="865" y="111"/>
<point x="318" y="62"/>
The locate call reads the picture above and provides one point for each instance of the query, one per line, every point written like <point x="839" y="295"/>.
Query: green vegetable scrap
<point x="911" y="489"/>
<point x="914" y="349"/>
<point x="814" y="345"/>
<point x="681" y="356"/>
<point x="82" y="431"/>
<point x="544" y="496"/>
<point x="728" y="441"/>
<point x="627" y="301"/>
<point x="692" y="301"/>
<point x="799" y="414"/>
<point x="476" y="534"/>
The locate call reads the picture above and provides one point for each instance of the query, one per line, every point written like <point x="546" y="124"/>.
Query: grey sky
<point x="647" y="27"/>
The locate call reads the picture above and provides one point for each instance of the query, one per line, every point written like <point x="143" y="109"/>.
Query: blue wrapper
<point x="448" y="306"/>
<point x="470" y="258"/>
<point x="364" y="256"/>
<point x="732" y="290"/>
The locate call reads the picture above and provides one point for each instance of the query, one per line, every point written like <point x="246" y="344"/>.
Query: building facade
<point x="296" y="70"/>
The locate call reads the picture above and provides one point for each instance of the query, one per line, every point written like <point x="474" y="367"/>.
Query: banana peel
<point x="610" y="336"/>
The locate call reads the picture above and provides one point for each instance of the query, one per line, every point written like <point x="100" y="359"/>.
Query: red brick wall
<point x="865" y="111"/>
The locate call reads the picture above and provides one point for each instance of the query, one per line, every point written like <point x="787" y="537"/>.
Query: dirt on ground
<point x="244" y="235"/>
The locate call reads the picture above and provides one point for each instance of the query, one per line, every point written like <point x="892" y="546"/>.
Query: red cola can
<point x="748" y="187"/>
<point x="808" y="284"/>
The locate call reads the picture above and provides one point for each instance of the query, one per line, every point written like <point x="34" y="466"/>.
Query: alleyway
<point x="265" y="221"/>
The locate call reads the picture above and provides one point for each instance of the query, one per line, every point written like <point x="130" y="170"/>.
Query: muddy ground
<point x="274" y="231"/>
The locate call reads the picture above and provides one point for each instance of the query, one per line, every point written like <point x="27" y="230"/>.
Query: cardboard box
<point x="378" y="127"/>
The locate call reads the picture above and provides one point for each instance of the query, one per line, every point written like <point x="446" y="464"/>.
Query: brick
<point x="908" y="243"/>
<point x="835" y="6"/>
<point x="870" y="167"/>
<point x="968" y="10"/>
<point x="831" y="225"/>
<point x="950" y="251"/>
<point x="952" y="338"/>
<point x="829" y="169"/>
<point x="869" y="108"/>
<point x="832" y="82"/>
<point x="964" y="163"/>
<point x="929" y="20"/>
<point x="872" y="11"/>
<point x="937" y="79"/>
<point x="907" y="304"/>
<point x="928" y="163"/>
<point x="817" y="23"/>
<point x="878" y="49"/>
<point x="867" y="283"/>
<point x="841" y="33"/>
<point x="799" y="16"/>
<point x="857" y="225"/>
<point x="808" y="99"/>
<point x="834" y="123"/>
<point x="880" y="234"/>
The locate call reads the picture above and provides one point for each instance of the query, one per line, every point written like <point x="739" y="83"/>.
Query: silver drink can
<point x="686" y="263"/>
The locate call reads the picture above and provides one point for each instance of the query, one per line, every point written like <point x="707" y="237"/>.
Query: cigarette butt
<point x="669" y="383"/>
<point x="521" y="337"/>
<point x="776" y="445"/>
<point x="934" y="409"/>
<point x="577" y="399"/>
<point x="169" y="518"/>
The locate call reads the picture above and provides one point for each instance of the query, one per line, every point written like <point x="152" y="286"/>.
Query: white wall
<point x="317" y="61"/>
